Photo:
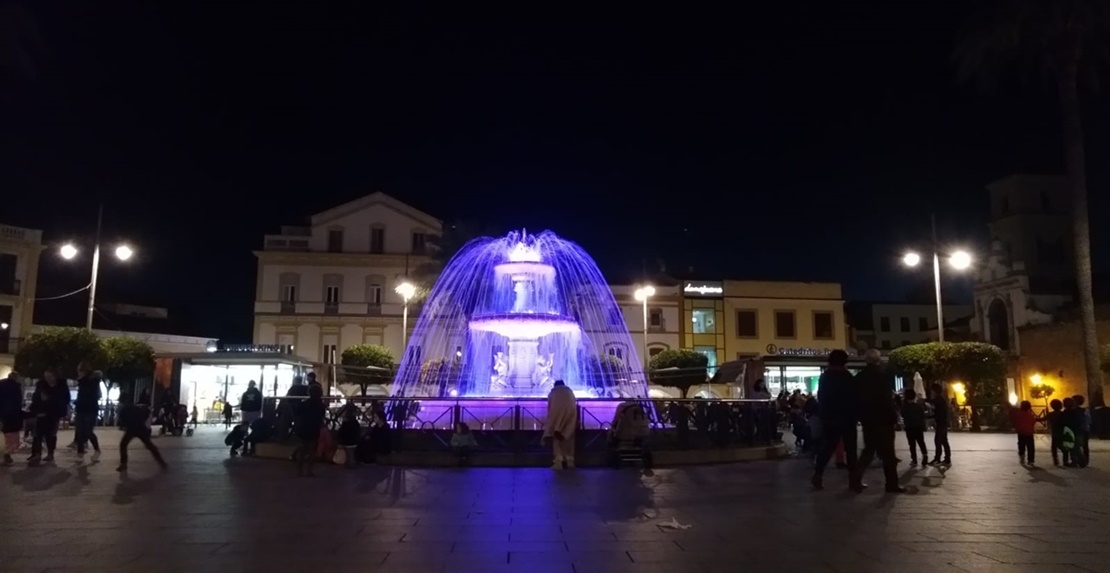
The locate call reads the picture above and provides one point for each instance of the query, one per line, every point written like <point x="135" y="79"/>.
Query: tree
<point x="126" y="359"/>
<point x="59" y="347"/>
<point x="1042" y="391"/>
<point x="979" y="366"/>
<point x="366" y="364"/>
<point x="1068" y="41"/>
<point x="679" y="368"/>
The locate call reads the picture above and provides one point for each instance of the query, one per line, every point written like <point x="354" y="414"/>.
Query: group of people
<point x="50" y="404"/>
<point x="1069" y="424"/>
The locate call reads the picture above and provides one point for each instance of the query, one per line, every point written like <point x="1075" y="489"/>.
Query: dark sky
<point x="774" y="143"/>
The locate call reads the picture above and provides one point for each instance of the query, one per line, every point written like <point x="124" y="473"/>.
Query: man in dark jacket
<point x="86" y="410"/>
<point x="836" y="398"/>
<point x="133" y="421"/>
<point x="49" y="404"/>
<point x="250" y="404"/>
<point x="11" y="414"/>
<point x="878" y="415"/>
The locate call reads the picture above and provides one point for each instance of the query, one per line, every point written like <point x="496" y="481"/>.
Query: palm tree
<point x="1067" y="41"/>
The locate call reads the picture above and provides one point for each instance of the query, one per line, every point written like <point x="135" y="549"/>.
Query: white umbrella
<point x="918" y="384"/>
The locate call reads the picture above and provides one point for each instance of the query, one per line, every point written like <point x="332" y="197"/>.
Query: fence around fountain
<point x="515" y="425"/>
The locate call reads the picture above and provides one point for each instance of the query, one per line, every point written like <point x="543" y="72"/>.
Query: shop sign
<point x="269" y="348"/>
<point x="704" y="288"/>
<point x="774" y="350"/>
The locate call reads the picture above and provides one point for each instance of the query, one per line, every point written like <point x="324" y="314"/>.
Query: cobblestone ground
<point x="987" y="513"/>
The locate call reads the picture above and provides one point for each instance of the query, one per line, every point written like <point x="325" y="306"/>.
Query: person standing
<point x="940" y="421"/>
<point x="562" y="420"/>
<point x="250" y="404"/>
<point x="913" y="418"/>
<point x="878" y="415"/>
<point x="1025" y="422"/>
<point x="1083" y="432"/>
<point x="11" y="414"/>
<point x="133" y="421"/>
<point x="309" y="421"/>
<point x="837" y="401"/>
<point x="86" y="410"/>
<point x="49" y="404"/>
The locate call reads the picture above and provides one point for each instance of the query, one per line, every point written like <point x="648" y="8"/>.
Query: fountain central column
<point x="523" y="354"/>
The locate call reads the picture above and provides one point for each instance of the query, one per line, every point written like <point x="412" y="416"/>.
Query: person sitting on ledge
<point x="629" y="432"/>
<point x="463" y="443"/>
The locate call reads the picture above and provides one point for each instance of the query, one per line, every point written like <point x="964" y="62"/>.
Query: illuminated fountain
<point x="510" y="315"/>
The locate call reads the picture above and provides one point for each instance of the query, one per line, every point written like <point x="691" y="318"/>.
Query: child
<point x="349" y="434"/>
<point x="235" y="438"/>
<point x="1056" y="426"/>
<point x="132" y="420"/>
<point x="1024" y="421"/>
<point x="463" y="443"/>
<point x="1072" y="421"/>
<point x="913" y="417"/>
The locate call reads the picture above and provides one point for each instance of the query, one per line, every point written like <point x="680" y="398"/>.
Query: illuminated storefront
<point x="702" y="327"/>
<point x="790" y="369"/>
<point x="205" y="380"/>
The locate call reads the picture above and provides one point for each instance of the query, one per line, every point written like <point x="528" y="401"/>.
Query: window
<point x="823" y="325"/>
<point x="922" y="323"/>
<point x="654" y="351"/>
<point x="704" y="321"/>
<point x="655" y="317"/>
<point x="784" y="324"/>
<point x="884" y="324"/>
<point x="289" y="293"/>
<point x="615" y="351"/>
<point x="329" y="353"/>
<point x="746" y="325"/>
<point x="886" y="345"/>
<point x="710" y="353"/>
<point x="377" y="240"/>
<point x="904" y="323"/>
<point x="419" y="243"/>
<point x="374" y="294"/>
<point x="335" y="241"/>
<point x="332" y="294"/>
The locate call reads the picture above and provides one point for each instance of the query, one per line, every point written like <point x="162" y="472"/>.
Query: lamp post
<point x="69" y="251"/>
<point x="642" y="294"/>
<point x="959" y="260"/>
<point x="407" y="290"/>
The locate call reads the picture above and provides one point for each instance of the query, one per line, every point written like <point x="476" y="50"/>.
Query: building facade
<point x="663" y="318"/>
<point x="20" y="250"/>
<point x="889" y="325"/>
<point x="1027" y="277"/>
<point x="331" y="285"/>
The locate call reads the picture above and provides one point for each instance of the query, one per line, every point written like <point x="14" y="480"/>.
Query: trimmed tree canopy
<point x="59" y="347"/>
<point x="689" y="369"/>
<point x="127" y="359"/>
<point x="980" y="366"/>
<point x="357" y="358"/>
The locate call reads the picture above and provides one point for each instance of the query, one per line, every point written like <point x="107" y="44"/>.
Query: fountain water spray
<point x="509" y="316"/>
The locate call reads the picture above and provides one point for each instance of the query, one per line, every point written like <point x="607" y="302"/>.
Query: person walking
<point x="878" y="415"/>
<point x="309" y="421"/>
<point x="837" y="401"/>
<point x="940" y="422"/>
<point x="913" y="419"/>
<point x="133" y="421"/>
<point x="11" y="414"/>
<point x="86" y="410"/>
<point x="250" y="404"/>
<point x="562" y="420"/>
<point x="49" y="404"/>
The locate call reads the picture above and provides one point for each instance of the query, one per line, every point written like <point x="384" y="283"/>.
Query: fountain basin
<point x="524" y="326"/>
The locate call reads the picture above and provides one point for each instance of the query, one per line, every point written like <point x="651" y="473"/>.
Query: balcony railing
<point x="331" y="308"/>
<point x="288" y="307"/>
<point x="373" y="309"/>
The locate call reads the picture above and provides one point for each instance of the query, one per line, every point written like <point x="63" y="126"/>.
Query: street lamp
<point x="68" y="252"/>
<point x="407" y="290"/>
<point x="642" y="294"/>
<point x="959" y="260"/>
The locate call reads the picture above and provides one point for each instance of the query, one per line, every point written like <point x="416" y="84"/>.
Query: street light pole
<point x="95" y="269"/>
<point x="407" y="290"/>
<point x="642" y="294"/>
<point x="936" y="280"/>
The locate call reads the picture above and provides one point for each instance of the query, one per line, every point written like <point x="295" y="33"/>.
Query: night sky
<point x="773" y="143"/>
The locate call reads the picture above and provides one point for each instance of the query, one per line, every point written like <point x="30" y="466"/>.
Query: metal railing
<point x="515" y="425"/>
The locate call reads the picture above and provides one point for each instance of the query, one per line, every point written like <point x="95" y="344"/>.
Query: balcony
<point x="288" y="307"/>
<point x="331" y="308"/>
<point x="11" y="287"/>
<point x="660" y="327"/>
<point x="373" y="309"/>
<point x="286" y="243"/>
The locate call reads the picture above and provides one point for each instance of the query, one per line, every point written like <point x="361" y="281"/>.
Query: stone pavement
<point x="212" y="513"/>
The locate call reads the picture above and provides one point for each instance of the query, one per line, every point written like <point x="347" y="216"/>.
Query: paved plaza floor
<point x="212" y="513"/>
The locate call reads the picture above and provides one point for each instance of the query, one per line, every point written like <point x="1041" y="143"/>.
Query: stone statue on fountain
<point x="497" y="382"/>
<point x="544" y="381"/>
